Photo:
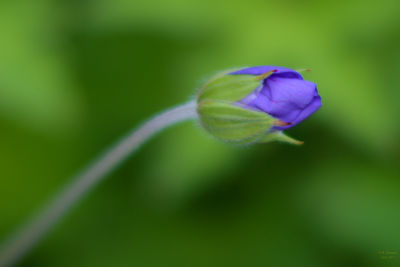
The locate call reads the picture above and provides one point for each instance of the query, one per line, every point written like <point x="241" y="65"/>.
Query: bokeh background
<point x="76" y="75"/>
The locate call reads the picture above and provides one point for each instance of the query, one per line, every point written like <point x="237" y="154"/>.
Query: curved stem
<point x="33" y="232"/>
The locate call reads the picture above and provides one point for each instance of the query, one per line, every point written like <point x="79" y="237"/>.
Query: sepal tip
<point x="266" y="75"/>
<point x="281" y="137"/>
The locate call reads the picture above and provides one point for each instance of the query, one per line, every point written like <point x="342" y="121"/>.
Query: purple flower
<point x="284" y="95"/>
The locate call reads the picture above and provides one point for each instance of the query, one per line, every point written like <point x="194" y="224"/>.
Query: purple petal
<point x="281" y="71"/>
<point x="310" y="109"/>
<point x="297" y="92"/>
<point x="284" y="95"/>
<point x="285" y="111"/>
<point x="305" y="113"/>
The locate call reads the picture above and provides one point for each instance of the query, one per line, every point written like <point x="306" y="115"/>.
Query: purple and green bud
<point x="254" y="105"/>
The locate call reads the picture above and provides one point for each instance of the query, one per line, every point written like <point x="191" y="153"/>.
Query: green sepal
<point x="232" y="123"/>
<point x="229" y="87"/>
<point x="281" y="137"/>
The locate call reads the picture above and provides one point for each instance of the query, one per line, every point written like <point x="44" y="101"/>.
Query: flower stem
<point x="29" y="235"/>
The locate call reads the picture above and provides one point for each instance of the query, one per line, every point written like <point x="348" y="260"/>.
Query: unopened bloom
<point x="256" y="104"/>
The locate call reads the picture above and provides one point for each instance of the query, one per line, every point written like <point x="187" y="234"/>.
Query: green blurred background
<point x="76" y="75"/>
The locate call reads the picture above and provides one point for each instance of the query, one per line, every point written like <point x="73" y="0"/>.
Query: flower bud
<point x="254" y="105"/>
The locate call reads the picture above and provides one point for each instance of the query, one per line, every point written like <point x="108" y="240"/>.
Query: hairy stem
<point x="25" y="240"/>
